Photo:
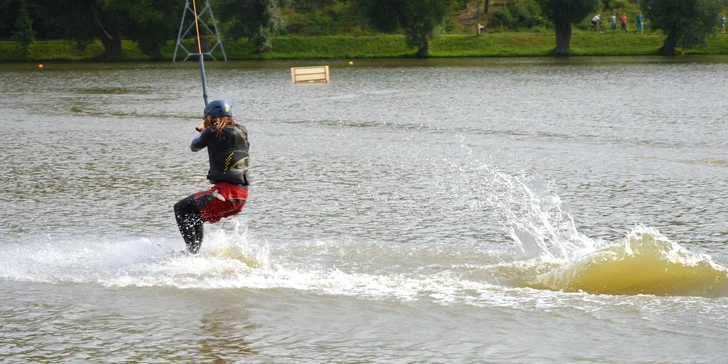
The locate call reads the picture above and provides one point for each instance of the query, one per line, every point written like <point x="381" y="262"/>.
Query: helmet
<point x="218" y="109"/>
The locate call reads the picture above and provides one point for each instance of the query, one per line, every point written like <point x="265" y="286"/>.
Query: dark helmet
<point x="218" y="109"/>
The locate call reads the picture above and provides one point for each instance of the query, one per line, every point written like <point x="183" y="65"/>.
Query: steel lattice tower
<point x="201" y="16"/>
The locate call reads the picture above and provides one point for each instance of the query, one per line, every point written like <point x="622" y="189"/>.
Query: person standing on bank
<point x="624" y="22"/>
<point x="640" y="23"/>
<point x="227" y="147"/>
<point x="613" y="20"/>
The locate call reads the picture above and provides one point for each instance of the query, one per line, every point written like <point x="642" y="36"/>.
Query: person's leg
<point x="189" y="222"/>
<point x="223" y="200"/>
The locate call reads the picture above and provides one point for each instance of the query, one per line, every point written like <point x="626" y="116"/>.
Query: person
<point x="624" y="22"/>
<point x="595" y="21"/>
<point x="722" y="23"/>
<point x="640" y="24"/>
<point x="227" y="147"/>
<point x="613" y="20"/>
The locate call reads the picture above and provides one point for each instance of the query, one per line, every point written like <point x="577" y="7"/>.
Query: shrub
<point x="25" y="35"/>
<point x="517" y="15"/>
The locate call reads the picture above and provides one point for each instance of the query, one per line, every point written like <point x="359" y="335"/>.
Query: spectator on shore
<point x="722" y="23"/>
<point x="613" y="20"/>
<point x="595" y="21"/>
<point x="624" y="22"/>
<point x="640" y="24"/>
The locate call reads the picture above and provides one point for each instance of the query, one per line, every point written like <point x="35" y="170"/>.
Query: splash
<point x="235" y="245"/>
<point x="561" y="258"/>
<point x="543" y="226"/>
<point x="644" y="262"/>
<point x="226" y="253"/>
<point x="538" y="221"/>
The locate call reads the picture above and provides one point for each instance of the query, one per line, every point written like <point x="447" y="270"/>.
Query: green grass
<point x="328" y="47"/>
<point x="59" y="50"/>
<point x="583" y="43"/>
<point x="494" y="45"/>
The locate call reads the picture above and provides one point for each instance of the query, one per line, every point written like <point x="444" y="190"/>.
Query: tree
<point x="564" y="13"/>
<point x="252" y="19"/>
<point x="418" y="18"/>
<point x="687" y="23"/>
<point x="24" y="35"/>
<point x="150" y="23"/>
<point x="308" y="5"/>
<point x="8" y="13"/>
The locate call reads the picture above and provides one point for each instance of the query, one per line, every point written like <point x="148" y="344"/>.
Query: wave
<point x="644" y="262"/>
<point x="555" y="255"/>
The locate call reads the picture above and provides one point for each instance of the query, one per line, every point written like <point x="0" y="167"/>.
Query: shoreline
<point x="583" y="43"/>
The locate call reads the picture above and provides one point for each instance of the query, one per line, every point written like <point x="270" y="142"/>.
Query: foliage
<point x="420" y="19"/>
<point x="8" y="13"/>
<point x="566" y="12"/>
<point x="252" y="19"/>
<point x="460" y="4"/>
<point x="24" y="35"/>
<point x="617" y="4"/>
<point x="150" y="22"/>
<point x="687" y="23"/>
<point x="342" y="17"/>
<point x="312" y="5"/>
<point x="517" y="15"/>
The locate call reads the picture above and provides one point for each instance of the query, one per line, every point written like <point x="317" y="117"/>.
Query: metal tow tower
<point x="205" y="13"/>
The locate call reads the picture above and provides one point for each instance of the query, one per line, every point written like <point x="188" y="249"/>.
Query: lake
<point x="505" y="210"/>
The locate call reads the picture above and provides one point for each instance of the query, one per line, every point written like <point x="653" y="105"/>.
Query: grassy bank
<point x="383" y="46"/>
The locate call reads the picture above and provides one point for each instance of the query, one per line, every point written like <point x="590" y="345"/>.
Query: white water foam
<point x="539" y="223"/>
<point x="227" y="260"/>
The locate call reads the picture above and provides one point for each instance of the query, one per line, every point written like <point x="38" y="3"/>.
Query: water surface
<point x="465" y="210"/>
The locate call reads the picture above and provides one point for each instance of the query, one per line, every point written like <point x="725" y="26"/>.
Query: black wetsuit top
<point x="228" y="154"/>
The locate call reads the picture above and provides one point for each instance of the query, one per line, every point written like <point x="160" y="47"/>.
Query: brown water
<point x="467" y="210"/>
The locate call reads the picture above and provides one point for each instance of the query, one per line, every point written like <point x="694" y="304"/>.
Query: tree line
<point x="152" y="23"/>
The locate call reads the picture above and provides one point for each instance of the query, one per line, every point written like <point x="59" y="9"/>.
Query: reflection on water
<point x="225" y="332"/>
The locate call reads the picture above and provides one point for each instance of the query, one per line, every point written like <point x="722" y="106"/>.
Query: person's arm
<point x="202" y="140"/>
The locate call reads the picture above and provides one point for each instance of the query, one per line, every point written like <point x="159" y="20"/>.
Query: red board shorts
<point x="222" y="200"/>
